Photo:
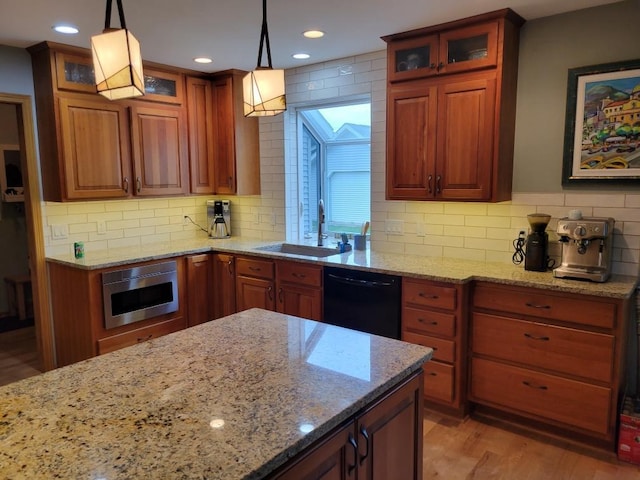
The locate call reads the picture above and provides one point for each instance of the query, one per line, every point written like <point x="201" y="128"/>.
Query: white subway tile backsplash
<point x="475" y="231"/>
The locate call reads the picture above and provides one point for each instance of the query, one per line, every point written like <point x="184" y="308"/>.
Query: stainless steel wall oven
<point x="139" y="293"/>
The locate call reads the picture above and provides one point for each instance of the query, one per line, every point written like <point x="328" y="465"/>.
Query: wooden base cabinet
<point x="78" y="316"/>
<point x="299" y="289"/>
<point x="224" y="291"/>
<point x="555" y="360"/>
<point x="255" y="284"/>
<point x="200" y="308"/>
<point x="433" y="316"/>
<point x="382" y="442"/>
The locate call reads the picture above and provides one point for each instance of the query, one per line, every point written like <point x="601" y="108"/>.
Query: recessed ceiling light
<point x="66" y="29"/>
<point x="202" y="60"/>
<point x="313" y="34"/>
<point x="301" y="56"/>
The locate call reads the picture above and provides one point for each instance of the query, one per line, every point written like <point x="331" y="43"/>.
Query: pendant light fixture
<point x="117" y="62"/>
<point x="263" y="88"/>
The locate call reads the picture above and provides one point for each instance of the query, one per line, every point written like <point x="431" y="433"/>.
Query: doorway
<point x="26" y="216"/>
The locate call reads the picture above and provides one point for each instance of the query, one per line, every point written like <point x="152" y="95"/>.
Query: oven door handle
<point x="362" y="283"/>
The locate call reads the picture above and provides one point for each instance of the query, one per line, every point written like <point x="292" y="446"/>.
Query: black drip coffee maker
<point x="536" y="256"/>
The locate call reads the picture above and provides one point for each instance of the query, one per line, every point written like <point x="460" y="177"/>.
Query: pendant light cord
<point x="107" y="16"/>
<point x="264" y="35"/>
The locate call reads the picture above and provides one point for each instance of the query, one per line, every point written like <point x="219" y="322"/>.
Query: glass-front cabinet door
<point x="468" y="48"/>
<point x="413" y="58"/>
<point x="75" y="72"/>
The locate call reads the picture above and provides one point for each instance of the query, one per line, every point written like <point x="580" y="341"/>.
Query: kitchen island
<point x="240" y="397"/>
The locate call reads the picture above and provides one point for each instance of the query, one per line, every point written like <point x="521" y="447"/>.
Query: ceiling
<point x="175" y="31"/>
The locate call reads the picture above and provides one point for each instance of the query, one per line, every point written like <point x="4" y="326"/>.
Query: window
<point x="334" y="164"/>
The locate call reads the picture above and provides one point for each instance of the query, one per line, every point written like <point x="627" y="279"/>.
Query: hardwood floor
<point x="472" y="449"/>
<point x="18" y="355"/>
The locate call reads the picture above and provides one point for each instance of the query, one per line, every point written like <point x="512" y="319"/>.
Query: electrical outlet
<point x="102" y="227"/>
<point x="420" y="229"/>
<point x="394" y="227"/>
<point x="59" y="232"/>
<point x="185" y="220"/>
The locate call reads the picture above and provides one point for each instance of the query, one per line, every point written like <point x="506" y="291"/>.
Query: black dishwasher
<point x="361" y="300"/>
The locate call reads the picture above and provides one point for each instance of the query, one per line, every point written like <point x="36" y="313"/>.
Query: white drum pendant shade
<point x="117" y="64"/>
<point x="263" y="92"/>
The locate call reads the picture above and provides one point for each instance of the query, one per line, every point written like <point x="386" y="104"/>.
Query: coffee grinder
<point x="219" y="218"/>
<point x="536" y="250"/>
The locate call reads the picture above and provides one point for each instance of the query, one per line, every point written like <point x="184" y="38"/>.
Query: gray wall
<point x="548" y="48"/>
<point x="16" y="77"/>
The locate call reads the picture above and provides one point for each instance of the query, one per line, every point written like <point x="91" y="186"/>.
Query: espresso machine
<point x="536" y="251"/>
<point x="219" y="218"/>
<point x="586" y="247"/>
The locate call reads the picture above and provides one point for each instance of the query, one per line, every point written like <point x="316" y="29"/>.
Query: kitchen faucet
<point x="320" y="221"/>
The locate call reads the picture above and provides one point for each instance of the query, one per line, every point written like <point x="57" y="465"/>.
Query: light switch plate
<point x="102" y="227"/>
<point x="59" y="232"/>
<point x="394" y="227"/>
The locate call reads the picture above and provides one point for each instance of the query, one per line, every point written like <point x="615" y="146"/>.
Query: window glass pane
<point x="335" y="165"/>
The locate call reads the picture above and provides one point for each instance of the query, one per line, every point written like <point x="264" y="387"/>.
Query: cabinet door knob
<point x="270" y="292"/>
<point x="429" y="178"/>
<point x="230" y="266"/>
<point x="280" y="295"/>
<point x="432" y="66"/>
<point x="440" y="66"/>
<point x="138" y="184"/>
<point x="125" y="184"/>
<point x="438" y="178"/>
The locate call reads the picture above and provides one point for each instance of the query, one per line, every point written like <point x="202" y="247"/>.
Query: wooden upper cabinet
<point x="159" y="146"/>
<point x="465" y="141"/>
<point x="94" y="165"/>
<point x="162" y="86"/>
<point x="201" y="144"/>
<point x="411" y="133"/>
<point x="75" y="72"/>
<point x="451" y="99"/>
<point x="236" y="155"/>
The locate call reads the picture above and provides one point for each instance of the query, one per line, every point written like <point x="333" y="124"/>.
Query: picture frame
<point x="602" y="124"/>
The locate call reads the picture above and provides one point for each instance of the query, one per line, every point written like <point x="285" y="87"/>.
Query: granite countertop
<point x="431" y="268"/>
<point x="229" y="399"/>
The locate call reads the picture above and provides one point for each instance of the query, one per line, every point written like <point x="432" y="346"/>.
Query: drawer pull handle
<point x="299" y="275"/>
<point x="533" y="305"/>
<point x="530" y="385"/>
<point x="270" y="293"/>
<point x="430" y="297"/>
<point x="229" y="266"/>
<point x="255" y="269"/>
<point x="433" y="322"/>
<point x="435" y="349"/>
<point x="352" y="442"/>
<point x="534" y="337"/>
<point x="433" y="374"/>
<point x="144" y="339"/>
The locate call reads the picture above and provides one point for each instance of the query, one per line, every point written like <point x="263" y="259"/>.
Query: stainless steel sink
<point x="304" y="250"/>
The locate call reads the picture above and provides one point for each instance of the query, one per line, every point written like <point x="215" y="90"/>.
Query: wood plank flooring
<point x="18" y="355"/>
<point x="473" y="449"/>
<point x="453" y="449"/>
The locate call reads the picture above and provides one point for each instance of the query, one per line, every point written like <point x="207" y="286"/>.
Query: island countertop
<point x="233" y="398"/>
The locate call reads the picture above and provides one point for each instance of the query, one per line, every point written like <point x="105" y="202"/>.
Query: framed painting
<point x="602" y="124"/>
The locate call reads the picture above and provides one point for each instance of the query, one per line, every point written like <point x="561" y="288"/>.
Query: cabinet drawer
<point x="427" y="321"/>
<point x="428" y="295"/>
<point x="539" y="303"/>
<point x="438" y="381"/>
<point x="115" y="342"/>
<point x="443" y="350"/>
<point x="252" y="267"/>
<point x="299" y="273"/>
<point x="565" y="350"/>
<point x="571" y="402"/>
